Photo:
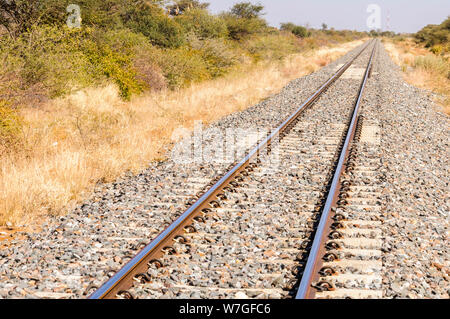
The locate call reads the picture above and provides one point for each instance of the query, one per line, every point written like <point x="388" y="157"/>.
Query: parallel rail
<point x="118" y="284"/>
<point x="314" y="261"/>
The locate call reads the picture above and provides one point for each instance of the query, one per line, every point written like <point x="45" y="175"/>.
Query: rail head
<point x="311" y="270"/>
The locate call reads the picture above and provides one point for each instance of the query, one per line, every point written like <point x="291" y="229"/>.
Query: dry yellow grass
<point x="74" y="142"/>
<point x="406" y="54"/>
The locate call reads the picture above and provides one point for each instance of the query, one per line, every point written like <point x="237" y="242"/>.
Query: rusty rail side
<point x="317" y="251"/>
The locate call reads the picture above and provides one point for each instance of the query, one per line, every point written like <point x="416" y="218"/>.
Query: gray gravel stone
<point x="77" y="250"/>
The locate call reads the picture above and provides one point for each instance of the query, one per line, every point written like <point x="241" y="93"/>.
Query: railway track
<point x="311" y="219"/>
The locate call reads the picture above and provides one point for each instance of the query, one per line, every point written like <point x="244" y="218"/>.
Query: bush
<point x="113" y="55"/>
<point x="289" y="26"/>
<point x="202" y="24"/>
<point x="51" y="59"/>
<point x="276" y="47"/>
<point x="19" y="16"/>
<point x="153" y="23"/>
<point x="148" y="73"/>
<point x="134" y="44"/>
<point x="216" y="54"/>
<point x="239" y="28"/>
<point x="300" y="31"/>
<point x="180" y="66"/>
<point x="247" y="10"/>
<point x="105" y="14"/>
<point x="432" y="35"/>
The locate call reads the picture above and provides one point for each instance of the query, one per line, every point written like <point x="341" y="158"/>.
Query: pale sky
<point x="405" y="15"/>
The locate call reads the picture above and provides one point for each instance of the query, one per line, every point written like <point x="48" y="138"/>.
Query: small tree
<point x="152" y="22"/>
<point x="247" y="10"/>
<point x="300" y="31"/>
<point x="18" y="16"/>
<point x="244" y="19"/>
<point x="373" y="33"/>
<point x="324" y="26"/>
<point x="289" y="26"/>
<point x="202" y="24"/>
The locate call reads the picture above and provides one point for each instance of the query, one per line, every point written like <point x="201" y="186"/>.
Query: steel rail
<point x="304" y="291"/>
<point x="122" y="280"/>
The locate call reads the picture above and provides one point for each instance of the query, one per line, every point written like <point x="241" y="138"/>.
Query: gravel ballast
<point x="99" y="236"/>
<point x="415" y="145"/>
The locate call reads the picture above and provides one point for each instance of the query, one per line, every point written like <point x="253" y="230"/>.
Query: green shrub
<point x="247" y="10"/>
<point x="112" y="55"/>
<point x="105" y="14"/>
<point x="216" y="54"/>
<point x="289" y="26"/>
<point x="116" y="66"/>
<point x="152" y="22"/>
<point x="19" y="16"/>
<point x="51" y="61"/>
<point x="239" y="28"/>
<point x="432" y="35"/>
<point x="300" y="31"/>
<point x="52" y="58"/>
<point x="180" y="66"/>
<point x="275" y="47"/>
<point x="135" y="44"/>
<point x="202" y="24"/>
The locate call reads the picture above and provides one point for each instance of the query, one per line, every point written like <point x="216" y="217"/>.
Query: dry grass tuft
<point x="422" y="69"/>
<point x="74" y="142"/>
